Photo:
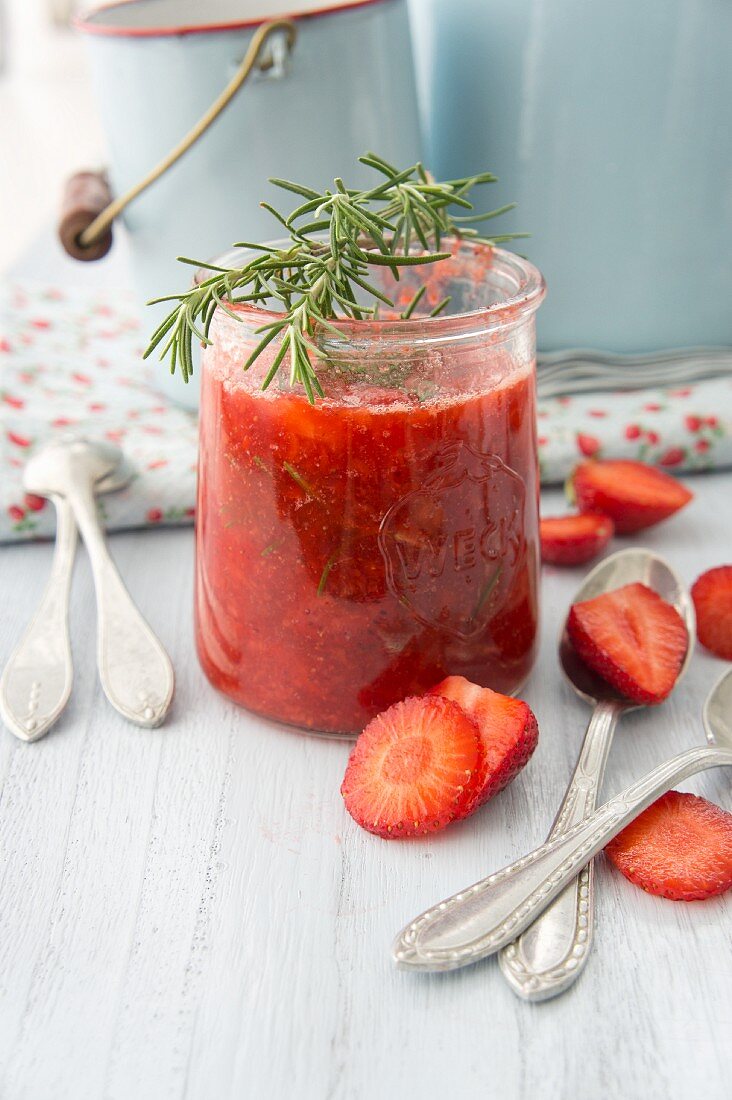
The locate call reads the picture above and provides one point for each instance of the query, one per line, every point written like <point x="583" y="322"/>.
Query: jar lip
<point x="507" y="311"/>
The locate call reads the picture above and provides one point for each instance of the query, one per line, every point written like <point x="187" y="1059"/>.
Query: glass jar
<point x="356" y="551"/>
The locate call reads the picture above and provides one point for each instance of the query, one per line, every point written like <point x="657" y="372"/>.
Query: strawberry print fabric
<point x="70" y="361"/>
<point x="680" y="429"/>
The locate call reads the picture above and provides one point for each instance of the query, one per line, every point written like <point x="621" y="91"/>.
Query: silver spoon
<point x="551" y="954"/>
<point x="134" y="669"/>
<point x="36" y="682"/>
<point x="483" y="918"/>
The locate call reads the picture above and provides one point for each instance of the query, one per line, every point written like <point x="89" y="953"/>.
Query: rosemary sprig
<point x="334" y="238"/>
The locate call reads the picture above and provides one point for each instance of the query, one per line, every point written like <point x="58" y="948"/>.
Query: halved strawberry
<point x="508" y="731"/>
<point x="571" y="540"/>
<point x="414" y="768"/>
<point x="712" y="596"/>
<point x="679" y="848"/>
<point x="633" y="494"/>
<point x="633" y="639"/>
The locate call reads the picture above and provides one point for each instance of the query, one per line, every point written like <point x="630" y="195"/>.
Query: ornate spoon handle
<point x="36" y="682"/>
<point x="483" y="918"/>
<point x="551" y="953"/>
<point x="134" y="668"/>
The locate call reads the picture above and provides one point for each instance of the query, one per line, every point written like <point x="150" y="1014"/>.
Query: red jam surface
<point x="357" y="551"/>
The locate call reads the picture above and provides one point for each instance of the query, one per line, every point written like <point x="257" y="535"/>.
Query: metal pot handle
<point x="88" y="210"/>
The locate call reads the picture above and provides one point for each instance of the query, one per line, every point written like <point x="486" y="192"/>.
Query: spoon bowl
<point x="119" y="478"/>
<point x="626" y="567"/>
<point x="49" y="470"/>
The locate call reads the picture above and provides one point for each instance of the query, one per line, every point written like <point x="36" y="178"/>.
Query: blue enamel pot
<point x="610" y="124"/>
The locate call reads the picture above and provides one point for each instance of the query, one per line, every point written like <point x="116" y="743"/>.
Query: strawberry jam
<point x="357" y="551"/>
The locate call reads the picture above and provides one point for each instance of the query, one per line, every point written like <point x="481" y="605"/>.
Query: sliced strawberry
<point x="633" y="494"/>
<point x="679" y="848"/>
<point x="508" y="731"/>
<point x="571" y="540"/>
<point x="414" y="768"/>
<point x="633" y="639"/>
<point x="712" y="596"/>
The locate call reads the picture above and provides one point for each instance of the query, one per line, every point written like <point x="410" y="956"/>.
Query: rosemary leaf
<point x="159" y="333"/>
<point x="254" y="247"/>
<point x="372" y="161"/>
<point x="369" y="288"/>
<point x="263" y="344"/>
<point x="441" y="305"/>
<point x="404" y="261"/>
<point x="306" y="208"/>
<point x="466" y="219"/>
<point x="324" y="575"/>
<point x="296" y="188"/>
<point x="198" y="263"/>
<point x="275" y="214"/>
<point x="282" y="351"/>
<point x="414" y="303"/>
<point x="298" y="478"/>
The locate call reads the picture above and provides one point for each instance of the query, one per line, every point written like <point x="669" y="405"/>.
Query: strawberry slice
<point x="679" y="848"/>
<point x="712" y="596"/>
<point x="633" y="494"/>
<point x="572" y="540"/>
<point x="414" y="768"/>
<point x="508" y="731"/>
<point x="633" y="639"/>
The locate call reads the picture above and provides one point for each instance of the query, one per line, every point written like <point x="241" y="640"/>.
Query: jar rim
<point x="528" y="296"/>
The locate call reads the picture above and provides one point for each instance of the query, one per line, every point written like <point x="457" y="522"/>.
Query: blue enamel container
<point x="610" y="123"/>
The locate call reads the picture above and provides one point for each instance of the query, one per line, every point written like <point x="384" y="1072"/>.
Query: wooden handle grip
<point x="85" y="196"/>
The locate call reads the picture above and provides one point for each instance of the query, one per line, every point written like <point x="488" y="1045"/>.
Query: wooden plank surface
<point x="189" y="912"/>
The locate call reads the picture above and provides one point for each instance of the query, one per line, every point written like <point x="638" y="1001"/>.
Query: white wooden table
<point x="189" y="912"/>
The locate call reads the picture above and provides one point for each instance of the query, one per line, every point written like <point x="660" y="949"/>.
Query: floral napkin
<point x="70" y="361"/>
<point x="682" y="429"/>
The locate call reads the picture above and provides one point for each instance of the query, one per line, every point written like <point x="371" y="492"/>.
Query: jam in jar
<point x="357" y="550"/>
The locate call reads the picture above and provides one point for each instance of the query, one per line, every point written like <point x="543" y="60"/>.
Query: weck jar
<point x="357" y="550"/>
